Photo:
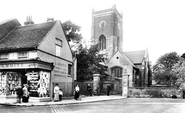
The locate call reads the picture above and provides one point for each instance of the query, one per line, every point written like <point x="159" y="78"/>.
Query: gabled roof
<point x="7" y="26"/>
<point x="123" y="55"/>
<point x="135" y="56"/>
<point x="25" y="37"/>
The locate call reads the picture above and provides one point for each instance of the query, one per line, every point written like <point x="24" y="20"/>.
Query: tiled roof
<point x="26" y="36"/>
<point x="7" y="26"/>
<point x="135" y="56"/>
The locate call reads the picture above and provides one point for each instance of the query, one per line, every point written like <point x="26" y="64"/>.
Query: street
<point x="131" y="105"/>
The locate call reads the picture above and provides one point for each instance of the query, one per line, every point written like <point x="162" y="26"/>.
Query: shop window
<point x="8" y="83"/>
<point x="4" y="56"/>
<point x="38" y="83"/>
<point x="69" y="69"/>
<point x="23" y="54"/>
<point x="58" y="45"/>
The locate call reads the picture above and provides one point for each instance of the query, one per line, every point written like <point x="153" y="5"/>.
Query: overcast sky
<point x="158" y="25"/>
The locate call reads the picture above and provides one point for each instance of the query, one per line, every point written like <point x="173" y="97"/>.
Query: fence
<point x="102" y="87"/>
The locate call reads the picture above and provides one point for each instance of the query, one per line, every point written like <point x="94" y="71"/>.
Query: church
<point x="107" y="31"/>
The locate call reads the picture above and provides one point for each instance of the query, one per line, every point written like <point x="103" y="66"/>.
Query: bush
<point x="154" y="93"/>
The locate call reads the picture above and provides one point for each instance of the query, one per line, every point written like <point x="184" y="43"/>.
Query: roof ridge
<point x="55" y="22"/>
<point x="5" y="21"/>
<point x="37" y="24"/>
<point x="130" y="61"/>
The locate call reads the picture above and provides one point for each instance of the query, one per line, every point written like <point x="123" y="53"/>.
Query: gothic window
<point x="102" y="42"/>
<point x="117" y="71"/>
<point x="117" y="44"/>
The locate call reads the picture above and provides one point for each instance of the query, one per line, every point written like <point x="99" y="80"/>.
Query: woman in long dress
<point x="25" y="96"/>
<point x="56" y="93"/>
<point x="77" y="94"/>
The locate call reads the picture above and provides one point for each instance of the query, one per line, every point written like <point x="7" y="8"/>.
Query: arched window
<point x="102" y="42"/>
<point x="117" y="42"/>
<point x="117" y="71"/>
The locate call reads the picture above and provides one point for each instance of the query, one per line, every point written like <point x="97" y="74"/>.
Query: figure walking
<point x="19" y="93"/>
<point x="56" y="92"/>
<point x="89" y="90"/>
<point x="77" y="94"/>
<point x="97" y="91"/>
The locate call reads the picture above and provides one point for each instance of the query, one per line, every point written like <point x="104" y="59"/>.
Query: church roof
<point x="24" y="37"/>
<point x="135" y="56"/>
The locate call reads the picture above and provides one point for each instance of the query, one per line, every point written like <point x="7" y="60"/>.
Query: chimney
<point x="28" y="20"/>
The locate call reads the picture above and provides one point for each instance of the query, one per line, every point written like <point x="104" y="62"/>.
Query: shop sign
<point x="10" y="66"/>
<point x="60" y="69"/>
<point x="24" y="65"/>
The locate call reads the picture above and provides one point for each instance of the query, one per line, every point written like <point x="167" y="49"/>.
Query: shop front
<point x="36" y="74"/>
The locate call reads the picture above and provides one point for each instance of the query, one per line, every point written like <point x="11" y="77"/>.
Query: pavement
<point x="84" y="99"/>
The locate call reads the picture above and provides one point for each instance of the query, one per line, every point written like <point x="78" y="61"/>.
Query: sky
<point x="156" y="25"/>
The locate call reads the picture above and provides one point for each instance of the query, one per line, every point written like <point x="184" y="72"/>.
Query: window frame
<point x="58" y="46"/>
<point x="4" y="56"/>
<point x="22" y="55"/>
<point x="69" y="69"/>
<point x="117" y="71"/>
<point x="102" y="42"/>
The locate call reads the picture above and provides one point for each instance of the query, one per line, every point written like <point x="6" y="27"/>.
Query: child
<point x="60" y="94"/>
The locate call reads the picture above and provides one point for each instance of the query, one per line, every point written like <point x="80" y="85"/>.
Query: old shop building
<point x="38" y="55"/>
<point x="107" y="31"/>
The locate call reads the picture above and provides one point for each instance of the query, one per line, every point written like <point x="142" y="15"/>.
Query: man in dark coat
<point x="19" y="93"/>
<point x="183" y="93"/>
<point x="89" y="90"/>
<point x="108" y="89"/>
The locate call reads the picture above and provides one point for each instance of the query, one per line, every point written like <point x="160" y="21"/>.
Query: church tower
<point x="107" y="31"/>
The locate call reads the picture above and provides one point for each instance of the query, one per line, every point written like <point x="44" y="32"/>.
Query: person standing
<point x="77" y="94"/>
<point x="108" y="89"/>
<point x="183" y="93"/>
<point x="97" y="91"/>
<point x="60" y="94"/>
<point x="89" y="90"/>
<point x="19" y="93"/>
<point x="56" y="92"/>
<point x="25" y="96"/>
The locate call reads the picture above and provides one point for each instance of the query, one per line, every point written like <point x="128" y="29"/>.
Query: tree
<point x="183" y="55"/>
<point x="50" y="19"/>
<point x="89" y="63"/>
<point x="83" y="65"/>
<point x="179" y="70"/>
<point x="163" y="69"/>
<point x="72" y="31"/>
